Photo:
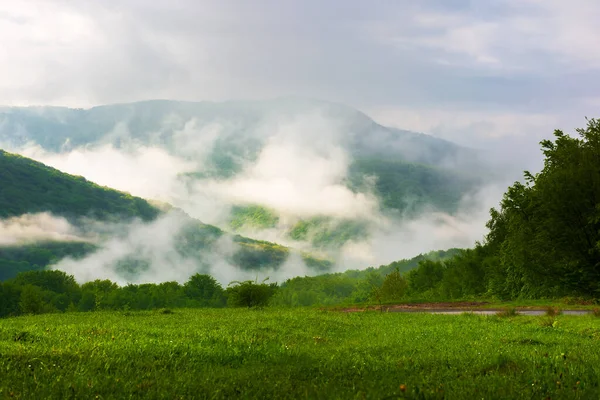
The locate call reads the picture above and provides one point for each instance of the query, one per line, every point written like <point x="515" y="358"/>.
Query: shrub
<point x="250" y="293"/>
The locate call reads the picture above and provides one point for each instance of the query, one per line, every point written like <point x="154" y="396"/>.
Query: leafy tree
<point x="426" y="276"/>
<point x="250" y="293"/>
<point x="394" y="286"/>
<point x="9" y="299"/>
<point x="205" y="291"/>
<point x="545" y="234"/>
<point x="88" y="301"/>
<point x="103" y="293"/>
<point x="32" y="300"/>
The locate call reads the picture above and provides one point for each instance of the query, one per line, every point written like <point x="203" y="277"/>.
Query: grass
<point x="299" y="353"/>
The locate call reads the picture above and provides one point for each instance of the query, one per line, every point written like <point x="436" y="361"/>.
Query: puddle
<point x="490" y="312"/>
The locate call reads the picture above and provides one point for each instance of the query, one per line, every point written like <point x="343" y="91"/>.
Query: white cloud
<point x="511" y="36"/>
<point x="30" y="228"/>
<point x="148" y="172"/>
<point x="300" y="171"/>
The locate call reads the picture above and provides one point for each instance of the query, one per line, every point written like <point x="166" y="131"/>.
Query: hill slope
<point x="97" y="214"/>
<point x="28" y="186"/>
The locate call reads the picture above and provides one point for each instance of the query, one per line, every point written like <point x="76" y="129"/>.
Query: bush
<point x="250" y="293"/>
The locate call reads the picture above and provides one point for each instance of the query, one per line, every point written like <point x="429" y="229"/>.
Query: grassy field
<point x="233" y="353"/>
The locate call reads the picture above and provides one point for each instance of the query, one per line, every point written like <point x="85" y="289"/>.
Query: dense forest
<point x="543" y="241"/>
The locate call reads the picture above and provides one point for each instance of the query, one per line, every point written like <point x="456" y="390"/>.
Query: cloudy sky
<point x="471" y="71"/>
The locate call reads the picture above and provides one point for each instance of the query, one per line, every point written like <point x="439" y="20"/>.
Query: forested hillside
<point x="544" y="240"/>
<point x="29" y="187"/>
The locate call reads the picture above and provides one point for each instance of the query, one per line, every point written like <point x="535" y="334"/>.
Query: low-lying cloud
<point x="40" y="227"/>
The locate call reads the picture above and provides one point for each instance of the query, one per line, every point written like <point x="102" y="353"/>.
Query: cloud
<point x="30" y="228"/>
<point x="510" y="36"/>
<point x="300" y="171"/>
<point x="428" y="231"/>
<point x="148" y="172"/>
<point x="506" y="53"/>
<point x="497" y="76"/>
<point x="153" y="247"/>
<point x="154" y="243"/>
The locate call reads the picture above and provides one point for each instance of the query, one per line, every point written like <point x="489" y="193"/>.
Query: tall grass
<point x="263" y="354"/>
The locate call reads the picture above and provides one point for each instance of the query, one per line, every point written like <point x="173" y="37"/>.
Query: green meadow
<point x="298" y="353"/>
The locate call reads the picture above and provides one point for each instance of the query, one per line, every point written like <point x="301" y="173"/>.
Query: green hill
<point x="27" y="186"/>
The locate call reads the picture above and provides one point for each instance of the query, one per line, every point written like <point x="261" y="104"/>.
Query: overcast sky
<point x="471" y="71"/>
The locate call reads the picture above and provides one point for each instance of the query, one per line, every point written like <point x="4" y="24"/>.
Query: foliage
<point x="250" y="293"/>
<point x="32" y="300"/>
<point x="38" y="292"/>
<point x="353" y="286"/>
<point x="409" y="187"/>
<point x="290" y="354"/>
<point x="326" y="232"/>
<point x="545" y="235"/>
<point x="394" y="287"/>
<point x="253" y="217"/>
<point x="205" y="290"/>
<point x="543" y="241"/>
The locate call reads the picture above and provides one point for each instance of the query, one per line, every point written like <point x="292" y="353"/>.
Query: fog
<point x="300" y="171"/>
<point x="40" y="227"/>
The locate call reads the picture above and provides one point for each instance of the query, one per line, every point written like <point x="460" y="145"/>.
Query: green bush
<point x="250" y="293"/>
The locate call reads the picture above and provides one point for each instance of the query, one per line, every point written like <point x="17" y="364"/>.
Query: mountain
<point x="50" y="215"/>
<point x="407" y="173"/>
<point x="163" y="123"/>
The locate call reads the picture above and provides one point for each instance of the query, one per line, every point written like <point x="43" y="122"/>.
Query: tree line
<point x="37" y="292"/>
<point x="44" y="291"/>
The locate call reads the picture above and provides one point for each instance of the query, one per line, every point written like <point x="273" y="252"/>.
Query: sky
<point x="497" y="73"/>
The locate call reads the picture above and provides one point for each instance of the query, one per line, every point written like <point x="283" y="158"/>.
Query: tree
<point x="9" y="299"/>
<point x="394" y="286"/>
<point x="544" y="238"/>
<point x="250" y="293"/>
<point x="32" y="300"/>
<point x="205" y="291"/>
<point x="426" y="276"/>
